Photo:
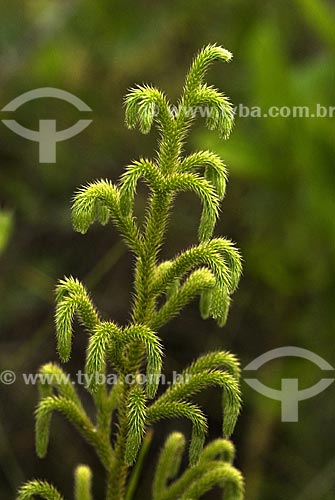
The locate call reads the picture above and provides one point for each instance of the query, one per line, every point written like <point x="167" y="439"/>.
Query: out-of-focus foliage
<point x="279" y="209"/>
<point x="5" y="229"/>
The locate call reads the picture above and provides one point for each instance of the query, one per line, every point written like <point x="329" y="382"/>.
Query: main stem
<point x="144" y="305"/>
<point x="117" y="474"/>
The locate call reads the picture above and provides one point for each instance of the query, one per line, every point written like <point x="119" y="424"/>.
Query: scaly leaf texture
<point x="168" y="463"/>
<point x="53" y="378"/>
<point x="215" y="170"/>
<point x="171" y="409"/>
<point x="128" y="182"/>
<point x="40" y="488"/>
<point x="200" y="280"/>
<point x="210" y="270"/>
<point x="136" y="416"/>
<point x="99" y="201"/>
<point x="72" y="412"/>
<point x="83" y="483"/>
<point x="153" y="347"/>
<point x="219" y="449"/>
<point x="193" y="383"/>
<point x="72" y="298"/>
<point x="223" y="475"/>
<point x="105" y="339"/>
<point x="215" y="459"/>
<point x="198" y="480"/>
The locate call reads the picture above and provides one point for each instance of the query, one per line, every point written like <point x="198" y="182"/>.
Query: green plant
<point x="6" y="223"/>
<point x="211" y="270"/>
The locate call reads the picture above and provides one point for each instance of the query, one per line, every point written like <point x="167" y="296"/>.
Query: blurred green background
<point x="279" y="209"/>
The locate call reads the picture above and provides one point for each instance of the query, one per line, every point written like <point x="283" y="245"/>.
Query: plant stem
<point x="133" y="482"/>
<point x="143" y="311"/>
<point x="117" y="474"/>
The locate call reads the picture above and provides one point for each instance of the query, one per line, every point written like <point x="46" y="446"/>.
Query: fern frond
<point x="213" y="361"/>
<point x="72" y="412"/>
<point x="220" y="303"/>
<point x="232" y="257"/>
<point x="53" y="377"/>
<point x="216" y="302"/>
<point x="200" y="186"/>
<point x="219" y="449"/>
<point x="40" y="488"/>
<point x="73" y="287"/>
<point x="72" y="298"/>
<point x="206" y="56"/>
<point x="153" y="347"/>
<point x="99" y="201"/>
<point x="219" y="255"/>
<point x="201" y="478"/>
<point x="205" y="303"/>
<point x="136" y="417"/>
<point x="215" y="169"/>
<point x="168" y="463"/>
<point x="220" y="111"/>
<point x="198" y="281"/>
<point x="144" y="104"/>
<point x="128" y="182"/>
<point x="96" y="201"/>
<point x="223" y="475"/>
<point x="172" y="409"/>
<point x="160" y="284"/>
<point x="105" y="340"/>
<point x="207" y="224"/>
<point x="195" y="382"/>
<point x="211" y="270"/>
<point x="83" y="483"/>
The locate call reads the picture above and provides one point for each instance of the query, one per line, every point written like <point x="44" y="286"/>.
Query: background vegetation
<point x="279" y="209"/>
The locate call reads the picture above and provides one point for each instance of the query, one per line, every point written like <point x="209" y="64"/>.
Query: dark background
<point x="279" y="209"/>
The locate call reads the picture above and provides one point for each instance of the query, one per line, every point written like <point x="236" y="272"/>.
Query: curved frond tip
<point x="72" y="299"/>
<point x="96" y="201"/>
<point x="144" y="104"/>
<point x="40" y="488"/>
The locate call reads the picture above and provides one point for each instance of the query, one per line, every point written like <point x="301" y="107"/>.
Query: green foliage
<point x="168" y="463"/>
<point x="82" y="485"/>
<point x="213" y="469"/>
<point x="136" y="416"/>
<point x="279" y="205"/>
<point x="72" y="298"/>
<point x="41" y="488"/>
<point x="210" y="270"/>
<point x="6" y="223"/>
